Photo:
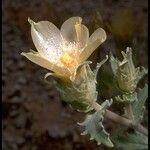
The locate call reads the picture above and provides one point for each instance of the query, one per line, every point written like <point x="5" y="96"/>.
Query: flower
<point x="61" y="51"/>
<point x="126" y="75"/>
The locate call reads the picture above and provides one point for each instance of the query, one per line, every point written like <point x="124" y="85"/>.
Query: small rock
<point x="55" y="132"/>
<point x="15" y="99"/>
<point x="19" y="140"/>
<point x="22" y="80"/>
<point x="13" y="113"/>
<point x="20" y="121"/>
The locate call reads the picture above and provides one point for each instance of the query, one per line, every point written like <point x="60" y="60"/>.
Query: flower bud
<point x="126" y="75"/>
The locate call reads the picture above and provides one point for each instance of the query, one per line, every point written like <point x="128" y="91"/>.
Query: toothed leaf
<point x="93" y="126"/>
<point x="138" y="106"/>
<point x="80" y="106"/>
<point x="114" y="63"/>
<point x="132" y="141"/>
<point x="127" y="98"/>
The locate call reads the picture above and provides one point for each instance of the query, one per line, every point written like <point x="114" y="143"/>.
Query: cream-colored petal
<point x="47" y="39"/>
<point x="97" y="38"/>
<point x="36" y="58"/>
<point x="73" y="31"/>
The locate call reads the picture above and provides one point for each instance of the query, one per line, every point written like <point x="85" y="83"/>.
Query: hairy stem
<point x="121" y="120"/>
<point x="128" y="110"/>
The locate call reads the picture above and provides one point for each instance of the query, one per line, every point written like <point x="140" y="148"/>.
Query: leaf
<point x="99" y="65"/>
<point x="80" y="106"/>
<point x="114" y="63"/>
<point x="127" y="98"/>
<point x="93" y="126"/>
<point x="138" y="106"/>
<point x="130" y="141"/>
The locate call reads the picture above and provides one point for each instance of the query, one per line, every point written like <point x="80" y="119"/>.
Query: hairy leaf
<point x="80" y="106"/>
<point x="114" y="63"/>
<point x="127" y="98"/>
<point x="132" y="141"/>
<point x="93" y="126"/>
<point x="138" y="106"/>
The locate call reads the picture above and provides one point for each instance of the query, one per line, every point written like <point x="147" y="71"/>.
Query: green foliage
<point x="93" y="126"/>
<point x="80" y="90"/>
<point x="130" y="141"/>
<point x="80" y="106"/>
<point x="138" y="106"/>
<point x="127" y="98"/>
<point x="137" y="101"/>
<point x="126" y="74"/>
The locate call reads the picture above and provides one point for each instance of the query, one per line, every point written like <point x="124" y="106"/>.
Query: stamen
<point x="68" y="60"/>
<point x="70" y="54"/>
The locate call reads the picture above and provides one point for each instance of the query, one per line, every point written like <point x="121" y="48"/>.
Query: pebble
<point x="55" y="132"/>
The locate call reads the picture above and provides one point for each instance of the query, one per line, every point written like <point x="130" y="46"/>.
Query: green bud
<point x="80" y="90"/>
<point x="126" y="75"/>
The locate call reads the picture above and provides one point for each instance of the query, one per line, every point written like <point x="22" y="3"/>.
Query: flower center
<point x="68" y="60"/>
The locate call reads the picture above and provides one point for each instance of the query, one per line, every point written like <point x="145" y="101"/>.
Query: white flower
<point x="61" y="51"/>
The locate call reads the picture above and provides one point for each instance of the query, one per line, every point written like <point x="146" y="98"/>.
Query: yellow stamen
<point x="68" y="60"/>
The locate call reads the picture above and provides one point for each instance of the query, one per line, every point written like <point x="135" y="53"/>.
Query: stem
<point x="120" y="120"/>
<point x="129" y="112"/>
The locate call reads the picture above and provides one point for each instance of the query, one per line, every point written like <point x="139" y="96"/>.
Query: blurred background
<point x="34" y="118"/>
